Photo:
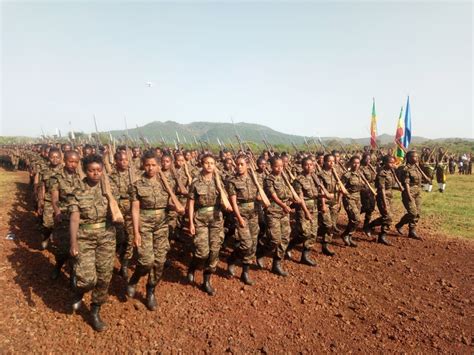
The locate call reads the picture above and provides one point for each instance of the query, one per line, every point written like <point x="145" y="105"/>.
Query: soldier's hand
<point x="192" y="229"/>
<point x="330" y="196"/>
<point x="287" y="209"/>
<point x="137" y="240"/>
<point x="242" y="223"/>
<point x="74" y="250"/>
<point x="58" y="218"/>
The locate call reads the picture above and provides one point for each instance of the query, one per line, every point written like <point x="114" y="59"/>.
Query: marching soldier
<point x="92" y="238"/>
<point x="366" y="196"/>
<point x="411" y="179"/>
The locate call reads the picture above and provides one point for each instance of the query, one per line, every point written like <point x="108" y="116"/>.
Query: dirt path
<point x="411" y="297"/>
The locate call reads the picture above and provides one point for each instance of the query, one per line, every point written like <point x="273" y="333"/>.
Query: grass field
<point x="451" y="212"/>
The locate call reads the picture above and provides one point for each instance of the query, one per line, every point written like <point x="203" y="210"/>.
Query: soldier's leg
<point x="60" y="247"/>
<point x="408" y="216"/>
<point x="353" y="215"/>
<point x="47" y="224"/>
<point x="416" y="211"/>
<point x="309" y="229"/>
<point x="145" y="253"/>
<point x="84" y="265"/>
<point x="128" y="247"/>
<point x="104" y="263"/>
<point x="280" y="237"/>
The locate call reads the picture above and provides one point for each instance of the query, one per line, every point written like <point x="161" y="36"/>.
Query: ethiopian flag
<point x="373" y="127"/>
<point x="400" y="154"/>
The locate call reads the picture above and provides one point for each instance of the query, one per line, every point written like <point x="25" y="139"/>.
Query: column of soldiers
<point x="97" y="203"/>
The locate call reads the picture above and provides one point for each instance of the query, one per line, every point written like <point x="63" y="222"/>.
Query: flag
<point x="373" y="127"/>
<point x="407" y="136"/>
<point x="400" y="154"/>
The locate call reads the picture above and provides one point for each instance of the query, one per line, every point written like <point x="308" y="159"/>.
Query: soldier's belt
<point x="250" y="204"/>
<point x="93" y="226"/>
<point x="309" y="202"/>
<point x="206" y="209"/>
<point x="151" y="212"/>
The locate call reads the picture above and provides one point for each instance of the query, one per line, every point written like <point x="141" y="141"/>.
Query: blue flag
<point x="407" y="136"/>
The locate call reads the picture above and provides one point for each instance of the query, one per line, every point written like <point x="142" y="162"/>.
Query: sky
<point x="305" y="68"/>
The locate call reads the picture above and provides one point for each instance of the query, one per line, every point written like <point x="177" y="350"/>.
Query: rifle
<point x="182" y="189"/>
<point x="361" y="175"/>
<point x="117" y="216"/>
<point x="400" y="186"/>
<point x="295" y="196"/>
<point x="319" y="184"/>
<point x="179" y="207"/>
<point x="223" y="194"/>
<point x="263" y="195"/>
<point x="339" y="182"/>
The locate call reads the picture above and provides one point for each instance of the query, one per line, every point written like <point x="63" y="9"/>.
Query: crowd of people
<point x="98" y="203"/>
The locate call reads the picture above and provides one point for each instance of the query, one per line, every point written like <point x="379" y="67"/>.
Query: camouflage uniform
<point x="278" y="222"/>
<point x="410" y="176"/>
<point x="354" y="185"/>
<point x="65" y="184"/>
<point x="244" y="188"/>
<point x="208" y="222"/>
<point x="96" y="241"/>
<point x="329" y="217"/>
<point x="366" y="196"/>
<point x="306" y="230"/>
<point x="45" y="175"/>
<point x="120" y="184"/>
<point x="154" y="231"/>
<point x="384" y="183"/>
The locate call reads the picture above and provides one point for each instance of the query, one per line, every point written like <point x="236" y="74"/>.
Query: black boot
<point x="306" y="259"/>
<point x="57" y="269"/>
<point x="97" y="322"/>
<point x="346" y="239"/>
<point x="367" y="230"/>
<point x="124" y="269"/>
<point x="207" y="287"/>
<point x="231" y="265"/>
<point x="383" y="239"/>
<point x="45" y="242"/>
<point x="260" y="259"/>
<point x="326" y="251"/>
<point x="132" y="283"/>
<point x="192" y="270"/>
<point x="245" y="277"/>
<point x="151" y="303"/>
<point x="351" y="242"/>
<point x="277" y="268"/>
<point x="399" y="227"/>
<point x="77" y="300"/>
<point x="412" y="234"/>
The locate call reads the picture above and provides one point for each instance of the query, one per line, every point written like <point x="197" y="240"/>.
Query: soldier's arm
<point x="73" y="228"/>
<point x="137" y="240"/>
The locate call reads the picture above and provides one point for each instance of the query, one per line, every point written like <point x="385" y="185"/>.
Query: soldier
<point x="149" y="199"/>
<point x="441" y="170"/>
<point x="45" y="208"/>
<point x="136" y="158"/>
<point x="366" y="196"/>
<point x="278" y="218"/>
<point x="243" y="195"/>
<point x="121" y="180"/>
<point x="92" y="239"/>
<point x="354" y="184"/>
<point x="384" y="182"/>
<point x="206" y="222"/>
<point x="411" y="179"/>
<point x="328" y="210"/>
<point x="306" y="214"/>
<point x="61" y="185"/>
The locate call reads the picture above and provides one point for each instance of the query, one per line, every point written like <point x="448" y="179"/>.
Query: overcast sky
<point x="302" y="68"/>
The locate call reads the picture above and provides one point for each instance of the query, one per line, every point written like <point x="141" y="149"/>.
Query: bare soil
<point x="415" y="296"/>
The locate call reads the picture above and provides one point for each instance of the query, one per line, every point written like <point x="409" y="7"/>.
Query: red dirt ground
<point x="415" y="296"/>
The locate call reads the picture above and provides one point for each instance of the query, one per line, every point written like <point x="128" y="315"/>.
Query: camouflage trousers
<point x="155" y="244"/>
<point x="61" y="239"/>
<point x="352" y="206"/>
<point x="125" y="237"/>
<point x="278" y="233"/>
<point x="367" y="199"/>
<point x="328" y="220"/>
<point x="413" y="207"/>
<point x="385" y="220"/>
<point x="247" y="236"/>
<point x="209" y="237"/>
<point x="306" y="230"/>
<point x="95" y="262"/>
<point x="48" y="212"/>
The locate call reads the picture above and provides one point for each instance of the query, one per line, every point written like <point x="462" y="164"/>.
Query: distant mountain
<point x="211" y="131"/>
